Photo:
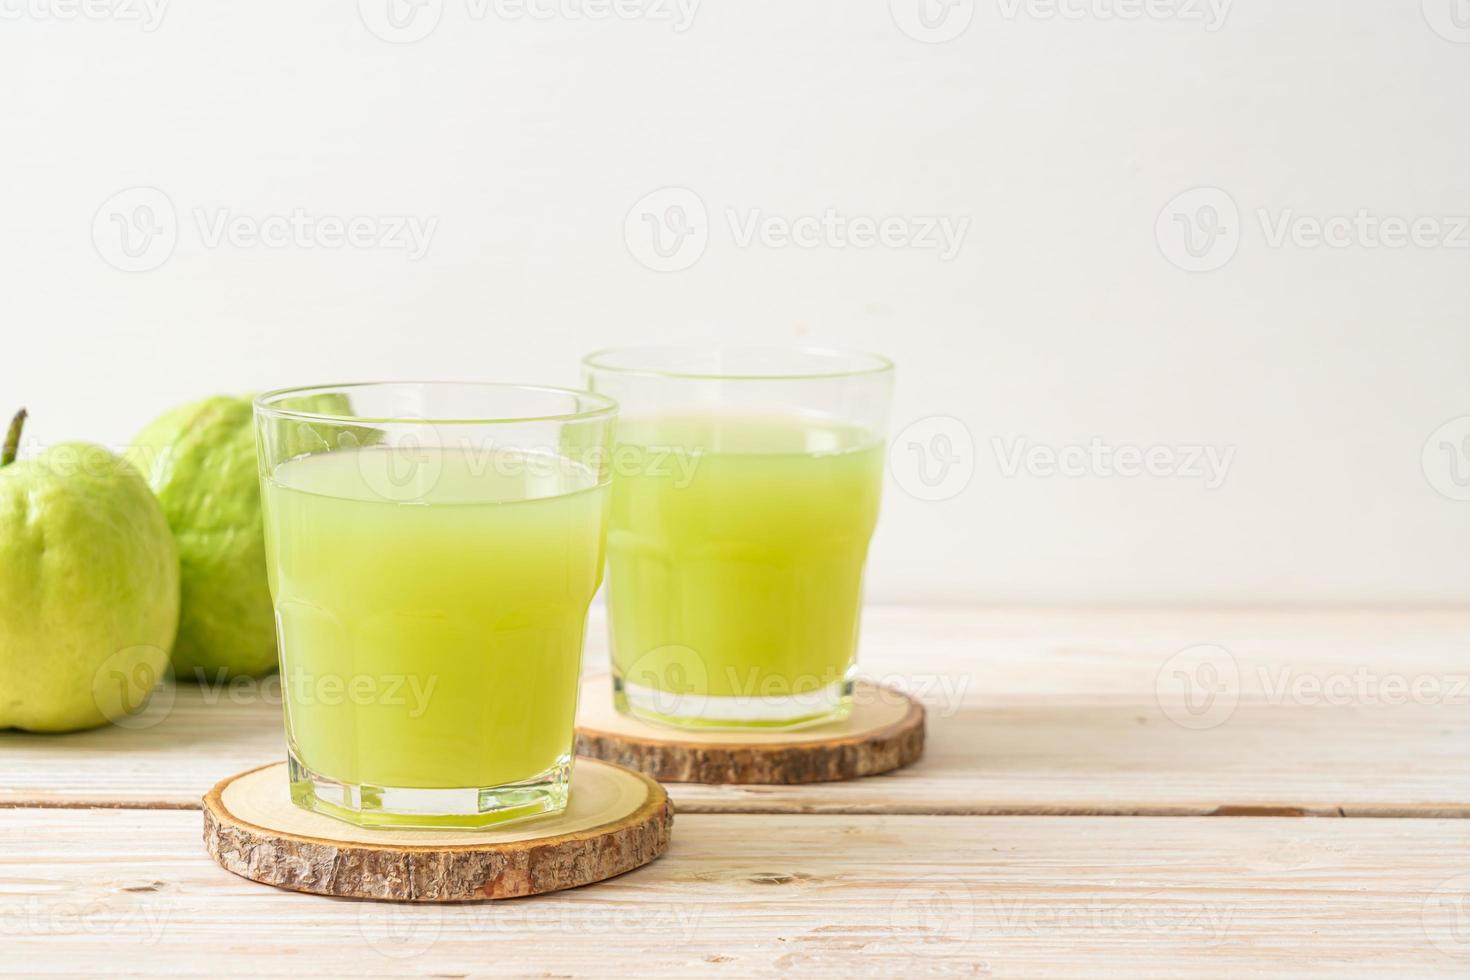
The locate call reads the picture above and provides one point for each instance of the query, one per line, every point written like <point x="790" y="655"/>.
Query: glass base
<point x="456" y="808"/>
<point x="733" y="713"/>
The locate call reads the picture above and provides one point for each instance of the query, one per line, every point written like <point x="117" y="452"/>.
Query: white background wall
<point x="1064" y="316"/>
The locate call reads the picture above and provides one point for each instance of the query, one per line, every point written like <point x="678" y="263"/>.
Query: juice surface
<point x="431" y="621"/>
<point x="736" y="549"/>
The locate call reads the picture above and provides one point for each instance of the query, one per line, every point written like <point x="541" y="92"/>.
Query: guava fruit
<point x="89" y="588"/>
<point x="200" y="461"/>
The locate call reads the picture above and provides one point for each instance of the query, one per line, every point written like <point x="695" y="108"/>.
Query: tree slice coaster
<point x="884" y="731"/>
<point x="617" y="820"/>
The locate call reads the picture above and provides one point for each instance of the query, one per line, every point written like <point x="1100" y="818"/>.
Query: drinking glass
<point x="432" y="550"/>
<point x="745" y="491"/>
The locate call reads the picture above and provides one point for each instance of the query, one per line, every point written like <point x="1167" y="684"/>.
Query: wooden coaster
<point x="617" y="820"/>
<point x="885" y="731"/>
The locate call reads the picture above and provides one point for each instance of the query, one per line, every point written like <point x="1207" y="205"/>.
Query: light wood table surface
<point x="1134" y="793"/>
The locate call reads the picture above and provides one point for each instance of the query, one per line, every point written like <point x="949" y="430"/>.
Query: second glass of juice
<point x="745" y="491"/>
<point x="432" y="550"/>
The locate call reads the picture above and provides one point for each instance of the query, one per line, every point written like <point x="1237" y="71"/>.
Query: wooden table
<point x="1121" y="792"/>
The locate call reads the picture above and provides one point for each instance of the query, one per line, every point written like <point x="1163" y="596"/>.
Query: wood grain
<point x="618" y="820"/>
<point x="1029" y="711"/>
<point x="884" y="732"/>
<point x="131" y="892"/>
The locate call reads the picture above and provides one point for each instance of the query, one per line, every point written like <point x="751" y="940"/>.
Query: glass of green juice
<point x="745" y="490"/>
<point x="432" y="550"/>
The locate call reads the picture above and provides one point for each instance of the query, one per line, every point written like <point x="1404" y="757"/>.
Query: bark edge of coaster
<point x="884" y="732"/>
<point x="617" y="820"/>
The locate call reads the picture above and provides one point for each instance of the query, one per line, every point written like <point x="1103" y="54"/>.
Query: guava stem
<point x="12" y="439"/>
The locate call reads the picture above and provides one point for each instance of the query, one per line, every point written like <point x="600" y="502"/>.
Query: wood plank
<point x="885" y="731"/>
<point x="1030" y="711"/>
<point x="132" y="892"/>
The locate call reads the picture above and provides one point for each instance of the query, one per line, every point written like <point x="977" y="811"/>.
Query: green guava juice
<point x="431" y="612"/>
<point x="736" y="547"/>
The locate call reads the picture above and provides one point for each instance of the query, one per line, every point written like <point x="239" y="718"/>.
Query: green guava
<point x="89" y="588"/>
<point x="200" y="460"/>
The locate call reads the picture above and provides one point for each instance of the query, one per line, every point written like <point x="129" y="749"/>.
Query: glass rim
<point x="875" y="363"/>
<point x="603" y="407"/>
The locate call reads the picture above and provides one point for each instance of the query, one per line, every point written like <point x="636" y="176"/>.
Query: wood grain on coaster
<point x="617" y="820"/>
